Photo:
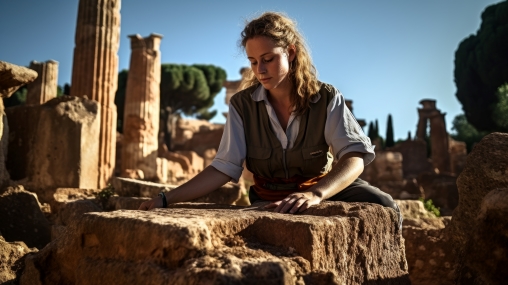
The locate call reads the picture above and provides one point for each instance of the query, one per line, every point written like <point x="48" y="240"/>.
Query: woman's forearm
<point x="205" y="182"/>
<point x="347" y="169"/>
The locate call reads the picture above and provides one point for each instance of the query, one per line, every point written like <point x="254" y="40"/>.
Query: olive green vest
<point x="309" y="156"/>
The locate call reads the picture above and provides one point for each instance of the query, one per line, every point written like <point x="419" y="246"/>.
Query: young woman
<point x="288" y="127"/>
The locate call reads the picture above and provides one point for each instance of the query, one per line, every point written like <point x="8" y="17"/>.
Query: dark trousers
<point x="358" y="191"/>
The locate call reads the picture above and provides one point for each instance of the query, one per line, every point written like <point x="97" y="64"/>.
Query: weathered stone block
<point x="486" y="169"/>
<point x="196" y="161"/>
<point x="441" y="189"/>
<point x="428" y="251"/>
<point x="11" y="259"/>
<point x="12" y="77"/>
<point x="333" y="243"/>
<point x="487" y="250"/>
<point x="414" y="155"/>
<point x="413" y="209"/>
<point x="22" y="219"/>
<point x="64" y="148"/>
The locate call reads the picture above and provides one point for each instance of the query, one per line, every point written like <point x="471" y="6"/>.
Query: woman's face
<point x="269" y="63"/>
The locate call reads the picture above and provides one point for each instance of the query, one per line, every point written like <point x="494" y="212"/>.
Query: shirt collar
<point x="260" y="95"/>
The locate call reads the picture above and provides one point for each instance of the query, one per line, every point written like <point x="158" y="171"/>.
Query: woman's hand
<point x="295" y="203"/>
<point x="152" y="204"/>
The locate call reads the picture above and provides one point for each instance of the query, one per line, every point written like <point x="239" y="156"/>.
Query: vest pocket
<point x="316" y="160"/>
<point x="258" y="160"/>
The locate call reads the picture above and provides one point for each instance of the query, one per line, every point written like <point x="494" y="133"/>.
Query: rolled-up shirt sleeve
<point x="232" y="149"/>
<point x="343" y="133"/>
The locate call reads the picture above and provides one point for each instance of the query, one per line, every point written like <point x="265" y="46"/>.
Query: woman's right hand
<point x="152" y="204"/>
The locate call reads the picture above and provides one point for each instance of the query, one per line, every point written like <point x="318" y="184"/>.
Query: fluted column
<point x="95" y="71"/>
<point x="45" y="86"/>
<point x="142" y="107"/>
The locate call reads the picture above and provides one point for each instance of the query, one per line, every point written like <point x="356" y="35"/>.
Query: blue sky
<point x="384" y="55"/>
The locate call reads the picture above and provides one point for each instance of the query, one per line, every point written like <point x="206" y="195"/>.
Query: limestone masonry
<point x="95" y="71"/>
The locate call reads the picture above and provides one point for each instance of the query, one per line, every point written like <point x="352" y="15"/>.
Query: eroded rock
<point x="428" y="251"/>
<point x="11" y="254"/>
<point x="22" y="219"/>
<point x="14" y="76"/>
<point x="334" y="242"/>
<point x="487" y="250"/>
<point x="413" y="209"/>
<point x="486" y="170"/>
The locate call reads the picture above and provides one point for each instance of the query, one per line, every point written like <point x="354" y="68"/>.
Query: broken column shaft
<point x="142" y="104"/>
<point x="44" y="88"/>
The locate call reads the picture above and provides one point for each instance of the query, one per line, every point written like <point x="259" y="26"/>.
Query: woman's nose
<point x="261" y="68"/>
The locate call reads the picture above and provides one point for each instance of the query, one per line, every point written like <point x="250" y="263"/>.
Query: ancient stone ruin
<point x="406" y="172"/>
<point x="45" y="85"/>
<point x="61" y="223"/>
<point x="95" y="72"/>
<point x="334" y="243"/>
<point x="141" y="110"/>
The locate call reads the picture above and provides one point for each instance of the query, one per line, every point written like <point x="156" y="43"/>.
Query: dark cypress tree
<point x="377" y="130"/>
<point x="389" y="142"/>
<point x="370" y="132"/>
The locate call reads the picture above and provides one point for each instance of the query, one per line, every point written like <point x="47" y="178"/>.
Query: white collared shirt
<point x="342" y="133"/>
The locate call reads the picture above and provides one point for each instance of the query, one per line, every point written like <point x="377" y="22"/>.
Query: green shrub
<point x="429" y="206"/>
<point x="104" y="194"/>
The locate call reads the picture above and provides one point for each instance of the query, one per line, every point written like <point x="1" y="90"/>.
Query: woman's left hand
<point x="294" y="203"/>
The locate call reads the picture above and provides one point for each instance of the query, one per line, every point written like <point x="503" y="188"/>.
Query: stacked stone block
<point x="142" y="104"/>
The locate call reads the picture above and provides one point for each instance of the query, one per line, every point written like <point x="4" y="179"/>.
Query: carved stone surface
<point x="12" y="77"/>
<point x="95" y="71"/>
<point x="64" y="148"/>
<point x="486" y="170"/>
<point x="44" y="88"/>
<point x="142" y="104"/>
<point x="333" y="243"/>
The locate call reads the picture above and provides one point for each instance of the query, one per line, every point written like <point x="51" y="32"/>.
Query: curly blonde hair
<point x="302" y="74"/>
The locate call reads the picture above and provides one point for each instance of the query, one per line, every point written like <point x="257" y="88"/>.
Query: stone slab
<point x="190" y="243"/>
